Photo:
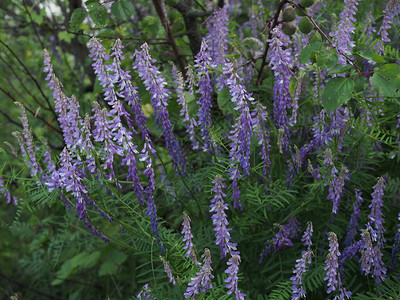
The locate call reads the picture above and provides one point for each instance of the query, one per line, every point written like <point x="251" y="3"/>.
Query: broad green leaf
<point x="107" y="268"/>
<point x="371" y="55"/>
<point x="123" y="9"/>
<point x="97" y="14"/>
<point x="337" y="91"/>
<point x="77" y="18"/>
<point x="326" y="59"/>
<point x="224" y="101"/>
<point x="387" y="80"/>
<point x="308" y="51"/>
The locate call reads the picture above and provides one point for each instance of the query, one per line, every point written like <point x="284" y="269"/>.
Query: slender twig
<point x="160" y="8"/>
<point x="31" y="76"/>
<point x="11" y="120"/>
<point x="264" y="57"/>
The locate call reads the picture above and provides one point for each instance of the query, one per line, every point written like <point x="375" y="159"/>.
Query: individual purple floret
<point x="168" y="271"/>
<point x="233" y="280"/>
<point x="331" y="268"/>
<point x="219" y="217"/>
<point x="375" y="218"/>
<point x="143" y="293"/>
<point x="391" y="10"/>
<point x="301" y="264"/>
<point x="353" y="227"/>
<point x="204" y="65"/>
<point x="155" y="83"/>
<point x="189" y="122"/>
<point x="6" y="193"/>
<point x="344" y="30"/>
<point x="202" y="281"/>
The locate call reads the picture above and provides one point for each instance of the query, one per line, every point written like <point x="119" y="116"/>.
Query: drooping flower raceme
<point x="155" y="83"/>
<point x="301" y="264"/>
<point x="202" y="281"/>
<point x="204" y="65"/>
<point x="168" y="270"/>
<point x="392" y="8"/>
<point x="233" y="279"/>
<point x="281" y="60"/>
<point x="190" y="123"/>
<point x="239" y="153"/>
<point x="219" y="217"/>
<point x="375" y="223"/>
<point x="344" y="30"/>
<point x="331" y="268"/>
<point x="372" y="257"/>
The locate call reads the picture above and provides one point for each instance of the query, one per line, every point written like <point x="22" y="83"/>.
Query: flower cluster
<point x="232" y="280"/>
<point x="301" y="264"/>
<point x="331" y="268"/>
<point x="391" y="10"/>
<point x="6" y="193"/>
<point x="202" y="281"/>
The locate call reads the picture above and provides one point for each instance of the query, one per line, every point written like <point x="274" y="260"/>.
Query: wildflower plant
<point x="201" y="150"/>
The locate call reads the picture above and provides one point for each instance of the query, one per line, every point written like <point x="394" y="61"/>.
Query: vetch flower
<point x="353" y="226"/>
<point x="6" y="193"/>
<point x="233" y="279"/>
<point x="332" y="277"/>
<point x="168" y="270"/>
<point x="202" y="281"/>
<point x="391" y="10"/>
<point x="375" y="223"/>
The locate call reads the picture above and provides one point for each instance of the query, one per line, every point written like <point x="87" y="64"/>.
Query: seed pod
<point x="289" y="28"/>
<point x="307" y="3"/>
<point x="299" y="12"/>
<point x="305" y="25"/>
<point x="289" y="14"/>
<point x="315" y="36"/>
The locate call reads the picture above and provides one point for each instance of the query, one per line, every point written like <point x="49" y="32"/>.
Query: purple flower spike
<point x="344" y="30"/>
<point x="168" y="270"/>
<point x="187" y="234"/>
<point x="331" y="268"/>
<point x="375" y="223"/>
<point x="301" y="265"/>
<point x="219" y="217"/>
<point x="155" y="83"/>
<point x="203" y="64"/>
<point x="372" y="257"/>
<point x="202" y="281"/>
<point x="143" y="293"/>
<point x="391" y="10"/>
<point x="233" y="280"/>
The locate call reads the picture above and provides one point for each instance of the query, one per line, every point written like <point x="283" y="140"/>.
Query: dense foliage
<point x="241" y="149"/>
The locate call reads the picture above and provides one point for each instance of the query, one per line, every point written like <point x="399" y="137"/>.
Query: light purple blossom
<point x="375" y="218"/>
<point x="168" y="271"/>
<point x="190" y="123"/>
<point x="233" y="279"/>
<point x="202" y="281"/>
<point x="6" y="193"/>
<point x="187" y="235"/>
<point x="342" y="34"/>
<point x="143" y="293"/>
<point x="155" y="83"/>
<point x="391" y="10"/>
<point x="219" y="217"/>
<point x="204" y="65"/>
<point x="372" y="257"/>
<point x="301" y="264"/>
<point x="332" y="275"/>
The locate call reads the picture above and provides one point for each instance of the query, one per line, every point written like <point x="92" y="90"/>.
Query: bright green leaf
<point x="387" y="80"/>
<point x="372" y="56"/>
<point x="337" y="91"/>
<point x="308" y="51"/>
<point x="97" y="14"/>
<point x="123" y="9"/>
<point x="77" y="18"/>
